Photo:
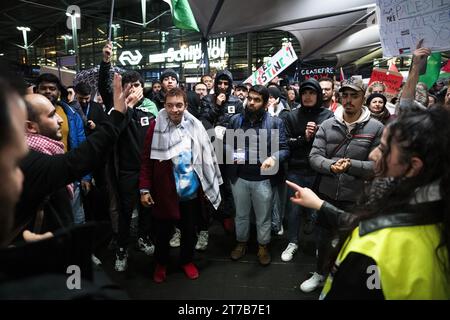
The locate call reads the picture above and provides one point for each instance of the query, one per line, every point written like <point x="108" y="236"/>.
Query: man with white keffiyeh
<point x="179" y="171"/>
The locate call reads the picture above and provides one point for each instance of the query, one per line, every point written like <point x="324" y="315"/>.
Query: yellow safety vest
<point x="409" y="266"/>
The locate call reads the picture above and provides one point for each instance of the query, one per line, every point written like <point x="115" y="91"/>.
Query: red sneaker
<point x="160" y="273"/>
<point x="191" y="271"/>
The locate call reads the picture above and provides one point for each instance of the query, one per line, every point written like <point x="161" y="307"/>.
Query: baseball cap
<point x="352" y="83"/>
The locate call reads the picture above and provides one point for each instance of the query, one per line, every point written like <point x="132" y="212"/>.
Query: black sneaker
<point x="309" y="226"/>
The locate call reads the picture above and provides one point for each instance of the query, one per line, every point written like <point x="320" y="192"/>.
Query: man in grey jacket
<point x="340" y="155"/>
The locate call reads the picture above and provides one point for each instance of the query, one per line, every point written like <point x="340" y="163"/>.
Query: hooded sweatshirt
<point x="296" y="121"/>
<point x="365" y="115"/>
<point x="220" y="115"/>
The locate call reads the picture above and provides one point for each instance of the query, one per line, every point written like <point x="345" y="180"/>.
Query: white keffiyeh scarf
<point x="166" y="144"/>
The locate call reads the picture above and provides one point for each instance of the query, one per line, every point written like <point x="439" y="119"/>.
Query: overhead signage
<point x="127" y="57"/>
<point x="216" y="50"/>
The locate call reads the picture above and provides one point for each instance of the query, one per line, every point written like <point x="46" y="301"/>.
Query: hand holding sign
<point x="420" y="57"/>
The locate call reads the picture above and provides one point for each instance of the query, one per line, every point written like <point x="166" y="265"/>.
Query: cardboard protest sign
<point x="391" y="79"/>
<point x="280" y="61"/>
<point x="404" y="23"/>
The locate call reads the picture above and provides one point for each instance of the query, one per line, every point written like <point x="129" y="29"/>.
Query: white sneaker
<point x="175" y="241"/>
<point x="288" y="254"/>
<point x="281" y="232"/>
<point x="146" y="246"/>
<point x="312" y="283"/>
<point x="121" y="263"/>
<point x="96" y="260"/>
<point x="202" y="241"/>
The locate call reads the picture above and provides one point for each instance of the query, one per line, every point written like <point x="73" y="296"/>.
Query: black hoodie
<point x="296" y="121"/>
<point x="220" y="115"/>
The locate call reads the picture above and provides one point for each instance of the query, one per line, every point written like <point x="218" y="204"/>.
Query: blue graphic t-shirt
<point x="186" y="179"/>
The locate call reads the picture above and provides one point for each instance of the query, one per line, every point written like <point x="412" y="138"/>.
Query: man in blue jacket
<point x="255" y="169"/>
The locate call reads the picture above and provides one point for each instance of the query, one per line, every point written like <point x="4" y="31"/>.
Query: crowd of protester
<point x="367" y="173"/>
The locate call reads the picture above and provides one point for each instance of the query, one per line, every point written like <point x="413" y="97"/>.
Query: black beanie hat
<point x="168" y="73"/>
<point x="376" y="95"/>
<point x="274" y="92"/>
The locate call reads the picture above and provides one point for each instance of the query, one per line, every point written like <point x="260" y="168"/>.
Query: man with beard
<point x="90" y="111"/>
<point x="255" y="170"/>
<point x="72" y="133"/>
<point x="340" y="155"/>
<point x="95" y="202"/>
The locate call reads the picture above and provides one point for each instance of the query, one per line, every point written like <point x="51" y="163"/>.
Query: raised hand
<point x="120" y="94"/>
<point x="107" y="52"/>
<point x="134" y="97"/>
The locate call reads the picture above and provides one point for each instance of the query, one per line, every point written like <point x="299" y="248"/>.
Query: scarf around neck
<point x="166" y="144"/>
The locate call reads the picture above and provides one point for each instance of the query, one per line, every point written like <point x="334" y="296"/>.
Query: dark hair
<point x="176" y="92"/>
<point x="49" y="77"/>
<point x="262" y="90"/>
<point x="323" y="79"/>
<point x="83" y="89"/>
<point x="132" y="76"/>
<point x="242" y="86"/>
<point x="296" y="98"/>
<point x="156" y="82"/>
<point x="417" y="133"/>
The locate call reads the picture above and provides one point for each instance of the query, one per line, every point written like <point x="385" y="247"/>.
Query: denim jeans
<point x="278" y="205"/>
<point x="77" y="205"/>
<point x="259" y="194"/>
<point x="295" y="211"/>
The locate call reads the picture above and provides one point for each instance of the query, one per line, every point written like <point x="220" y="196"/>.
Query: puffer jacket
<point x="331" y="144"/>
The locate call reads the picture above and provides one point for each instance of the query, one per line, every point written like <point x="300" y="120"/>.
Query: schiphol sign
<point x="216" y="50"/>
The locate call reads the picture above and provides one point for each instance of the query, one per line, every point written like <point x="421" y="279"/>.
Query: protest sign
<point x="316" y="73"/>
<point x="391" y="79"/>
<point x="280" y="61"/>
<point x="404" y="22"/>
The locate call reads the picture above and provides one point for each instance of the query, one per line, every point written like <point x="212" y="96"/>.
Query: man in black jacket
<point x="301" y="126"/>
<point x="46" y="177"/>
<point x="169" y="80"/>
<point x="95" y="201"/>
<point x="125" y="163"/>
<point x="218" y="108"/>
